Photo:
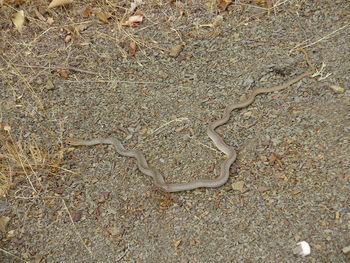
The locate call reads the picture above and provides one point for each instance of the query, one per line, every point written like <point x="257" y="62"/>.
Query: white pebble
<point x="302" y="249"/>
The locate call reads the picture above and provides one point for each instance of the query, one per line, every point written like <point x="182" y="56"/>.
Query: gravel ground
<point x="87" y="204"/>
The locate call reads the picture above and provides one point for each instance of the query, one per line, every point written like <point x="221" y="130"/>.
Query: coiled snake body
<point x="231" y="154"/>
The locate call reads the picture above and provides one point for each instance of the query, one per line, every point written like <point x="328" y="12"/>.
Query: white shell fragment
<point x="302" y="249"/>
<point x="346" y="250"/>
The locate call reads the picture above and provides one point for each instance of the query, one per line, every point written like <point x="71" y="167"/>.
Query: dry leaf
<point x="296" y="191"/>
<point x="50" y="21"/>
<point x="133" y="48"/>
<point x="80" y="28"/>
<point x="179" y="128"/>
<point x="3" y="223"/>
<point x="133" y="20"/>
<point x="63" y="74"/>
<point x="176" y="243"/>
<point x="103" y="16"/>
<point x="223" y="4"/>
<point x="56" y="3"/>
<point x="68" y="39"/>
<point x="18" y="20"/>
<point x="337" y="215"/>
<point x="176" y="50"/>
<point x="94" y="180"/>
<point x="7" y="127"/>
<point x="87" y="11"/>
<point x="274" y="159"/>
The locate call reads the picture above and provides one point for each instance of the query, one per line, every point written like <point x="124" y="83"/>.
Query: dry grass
<point x="24" y="158"/>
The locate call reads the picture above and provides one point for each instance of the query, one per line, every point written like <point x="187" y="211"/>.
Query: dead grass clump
<point x="23" y="159"/>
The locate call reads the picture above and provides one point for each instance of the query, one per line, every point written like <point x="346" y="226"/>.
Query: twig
<point x="64" y="68"/>
<point x="76" y="230"/>
<point x="319" y="72"/>
<point x="207" y="146"/>
<point x="322" y="38"/>
<point x="308" y="59"/>
<point x="156" y="131"/>
<point x="120" y="257"/>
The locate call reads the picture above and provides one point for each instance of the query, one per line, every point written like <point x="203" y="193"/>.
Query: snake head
<point x="72" y="141"/>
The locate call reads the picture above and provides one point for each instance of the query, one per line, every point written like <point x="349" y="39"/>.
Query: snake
<point x="231" y="154"/>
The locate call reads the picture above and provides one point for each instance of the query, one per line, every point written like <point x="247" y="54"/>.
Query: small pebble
<point x="302" y="249"/>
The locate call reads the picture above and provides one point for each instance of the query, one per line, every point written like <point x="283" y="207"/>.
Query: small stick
<point x="76" y="230"/>
<point x="320" y="39"/>
<point x="64" y="68"/>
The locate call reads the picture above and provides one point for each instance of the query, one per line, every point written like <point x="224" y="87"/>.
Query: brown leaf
<point x="63" y="73"/>
<point x="94" y="180"/>
<point x="296" y="191"/>
<point x="176" y="243"/>
<point x="56" y="3"/>
<point x="4" y="220"/>
<point x="133" y="48"/>
<point x="103" y="16"/>
<point x="86" y="12"/>
<point x="223" y="4"/>
<point x="274" y="159"/>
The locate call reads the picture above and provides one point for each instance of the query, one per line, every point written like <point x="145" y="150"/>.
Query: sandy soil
<point x="77" y="77"/>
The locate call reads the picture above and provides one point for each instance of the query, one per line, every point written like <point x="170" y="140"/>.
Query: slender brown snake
<point x="158" y="179"/>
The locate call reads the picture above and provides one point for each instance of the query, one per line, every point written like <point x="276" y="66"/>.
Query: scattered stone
<point x="302" y="249"/>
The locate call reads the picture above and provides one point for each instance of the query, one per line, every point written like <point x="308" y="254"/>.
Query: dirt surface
<point x="87" y="204"/>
